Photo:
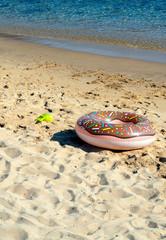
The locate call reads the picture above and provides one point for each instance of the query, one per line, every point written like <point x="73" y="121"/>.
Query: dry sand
<point x="55" y="186"/>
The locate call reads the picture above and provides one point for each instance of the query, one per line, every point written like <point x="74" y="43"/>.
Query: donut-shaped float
<point x="115" y="130"/>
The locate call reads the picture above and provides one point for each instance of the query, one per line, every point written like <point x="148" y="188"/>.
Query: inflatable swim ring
<point x="115" y="130"/>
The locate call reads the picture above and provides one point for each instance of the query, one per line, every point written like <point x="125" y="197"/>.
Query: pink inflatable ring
<point x="115" y="130"/>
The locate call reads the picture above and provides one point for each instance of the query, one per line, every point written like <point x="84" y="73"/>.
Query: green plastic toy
<point x="44" y="117"/>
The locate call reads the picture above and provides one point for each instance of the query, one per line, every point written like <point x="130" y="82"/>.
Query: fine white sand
<point x="55" y="186"/>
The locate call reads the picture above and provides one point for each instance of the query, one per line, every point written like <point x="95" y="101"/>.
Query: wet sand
<point x="55" y="186"/>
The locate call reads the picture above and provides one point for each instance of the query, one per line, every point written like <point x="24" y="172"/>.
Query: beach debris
<point x="162" y="159"/>
<point x="2" y="125"/>
<point x="23" y="127"/>
<point x="44" y="117"/>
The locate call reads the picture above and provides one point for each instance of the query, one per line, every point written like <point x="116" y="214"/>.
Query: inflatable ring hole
<point x="117" y="121"/>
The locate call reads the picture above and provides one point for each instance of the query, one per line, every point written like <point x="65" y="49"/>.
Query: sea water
<point x="136" y="23"/>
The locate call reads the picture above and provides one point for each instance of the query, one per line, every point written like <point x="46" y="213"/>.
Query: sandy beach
<point x="55" y="186"/>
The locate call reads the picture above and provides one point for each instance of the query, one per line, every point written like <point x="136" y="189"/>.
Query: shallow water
<point x="131" y="23"/>
<point x="100" y="48"/>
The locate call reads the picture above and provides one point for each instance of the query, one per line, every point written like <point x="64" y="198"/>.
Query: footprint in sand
<point x="148" y="194"/>
<point x="13" y="233"/>
<point x="69" y="195"/>
<point x="103" y="180"/>
<point x="4" y="216"/>
<point x="13" y="152"/>
<point x="26" y="192"/>
<point x="4" y="169"/>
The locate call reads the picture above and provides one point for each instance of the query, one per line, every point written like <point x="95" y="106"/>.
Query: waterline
<point x="96" y="48"/>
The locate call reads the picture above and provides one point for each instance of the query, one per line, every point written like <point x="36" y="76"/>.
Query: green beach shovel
<point x="44" y="117"/>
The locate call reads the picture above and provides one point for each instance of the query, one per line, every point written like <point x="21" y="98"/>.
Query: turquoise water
<point x="127" y="22"/>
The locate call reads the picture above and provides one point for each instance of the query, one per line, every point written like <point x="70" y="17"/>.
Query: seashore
<point x="55" y="186"/>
